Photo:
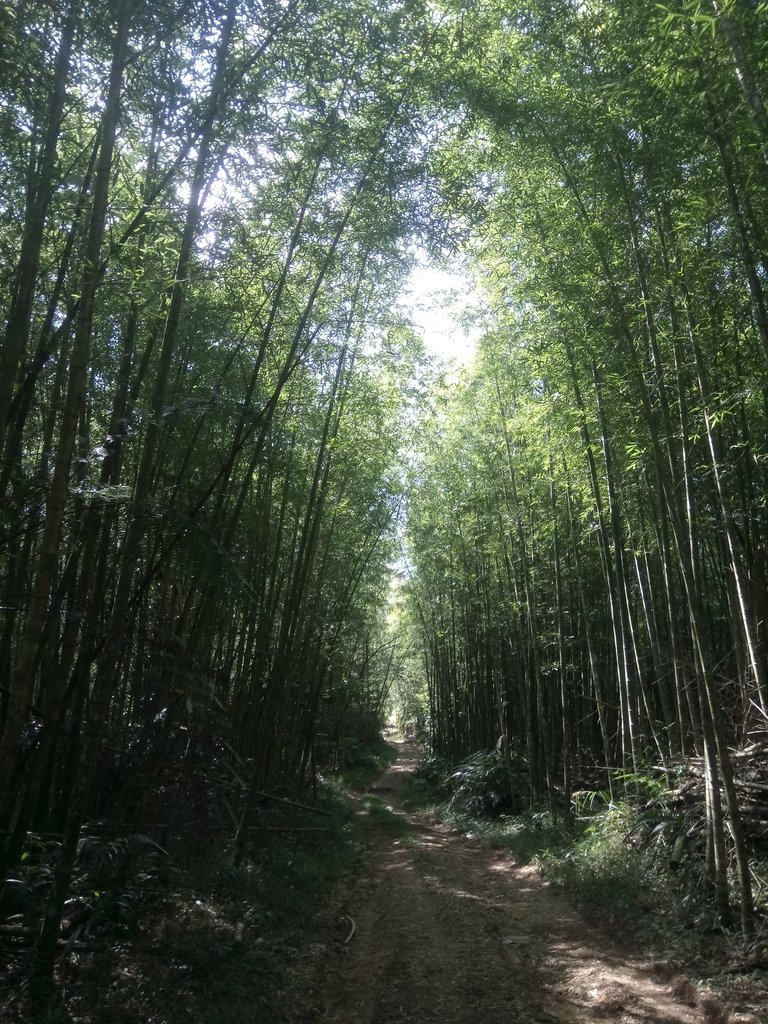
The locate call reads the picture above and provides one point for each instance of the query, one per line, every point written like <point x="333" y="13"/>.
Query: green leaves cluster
<point x="203" y="394"/>
<point x="587" y="526"/>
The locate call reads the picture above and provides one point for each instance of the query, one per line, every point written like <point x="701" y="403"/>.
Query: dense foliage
<point x="206" y="213"/>
<point x="588" y="521"/>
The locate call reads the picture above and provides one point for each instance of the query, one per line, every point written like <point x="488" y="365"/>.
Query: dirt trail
<point x="450" y="930"/>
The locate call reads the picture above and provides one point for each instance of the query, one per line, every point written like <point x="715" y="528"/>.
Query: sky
<point x="436" y="299"/>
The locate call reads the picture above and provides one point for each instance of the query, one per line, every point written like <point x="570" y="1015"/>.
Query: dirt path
<point x="449" y="930"/>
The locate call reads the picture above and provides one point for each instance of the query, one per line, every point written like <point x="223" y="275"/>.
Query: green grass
<point x="420" y="795"/>
<point x="440" y="789"/>
<point x="364" y="763"/>
<point x="617" y="866"/>
<point x="384" y="815"/>
<point x="525" y="836"/>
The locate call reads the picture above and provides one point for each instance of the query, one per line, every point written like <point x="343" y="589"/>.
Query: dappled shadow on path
<point x="448" y="929"/>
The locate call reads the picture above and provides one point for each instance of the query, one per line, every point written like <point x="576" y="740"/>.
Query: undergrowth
<point x="612" y="856"/>
<point x="616" y="862"/>
<point x="362" y="763"/>
<point x="296" y="859"/>
<point x="206" y="939"/>
<point x="385" y="816"/>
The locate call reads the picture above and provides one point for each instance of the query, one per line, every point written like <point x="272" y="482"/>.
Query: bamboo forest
<point x="257" y="537"/>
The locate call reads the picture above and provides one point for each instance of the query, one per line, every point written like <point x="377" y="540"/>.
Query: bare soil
<point x="449" y="930"/>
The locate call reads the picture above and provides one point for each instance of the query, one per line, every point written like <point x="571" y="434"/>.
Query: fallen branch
<point x="761" y="787"/>
<point x="748" y="965"/>
<point x="760" y="747"/>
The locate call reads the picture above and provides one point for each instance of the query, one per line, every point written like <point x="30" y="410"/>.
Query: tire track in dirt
<point x="450" y="930"/>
